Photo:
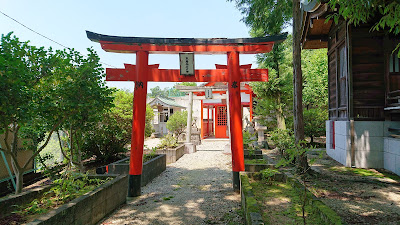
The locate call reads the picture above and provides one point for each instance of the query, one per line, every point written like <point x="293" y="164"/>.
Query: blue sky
<point x="66" y="22"/>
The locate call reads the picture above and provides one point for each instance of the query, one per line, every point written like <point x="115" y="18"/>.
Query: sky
<point x="66" y="22"/>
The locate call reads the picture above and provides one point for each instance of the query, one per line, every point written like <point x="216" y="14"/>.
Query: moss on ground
<point x="282" y="204"/>
<point x="363" y="172"/>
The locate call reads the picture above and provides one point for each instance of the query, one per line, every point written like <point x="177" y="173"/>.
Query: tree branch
<point x="46" y="142"/>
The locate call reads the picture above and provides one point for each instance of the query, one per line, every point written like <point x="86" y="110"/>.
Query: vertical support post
<point x="138" y="124"/>
<point x="189" y="146"/>
<point x="235" y="118"/>
<point x="201" y="119"/>
<point x="189" y="119"/>
<point x="208" y="121"/>
<point x="251" y="106"/>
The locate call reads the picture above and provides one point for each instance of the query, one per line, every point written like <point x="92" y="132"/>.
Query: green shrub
<point x="177" y="123"/>
<point x="283" y="140"/>
<point x="247" y="141"/>
<point x="168" y="141"/>
<point x="314" y="122"/>
<point x="105" y="141"/>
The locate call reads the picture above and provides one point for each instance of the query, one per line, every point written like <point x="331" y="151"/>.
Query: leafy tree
<point x="274" y="97"/>
<point x="314" y="122"/>
<point x="112" y="133"/>
<point x="157" y="91"/>
<point x="386" y="11"/>
<point x="28" y="112"/>
<point x="269" y="18"/>
<point x="188" y="83"/>
<point x="177" y="123"/>
<point x="83" y="96"/>
<point x="149" y="118"/>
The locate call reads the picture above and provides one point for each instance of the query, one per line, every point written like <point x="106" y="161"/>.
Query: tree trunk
<point x="19" y="175"/>
<point x="280" y="119"/>
<point x="301" y="160"/>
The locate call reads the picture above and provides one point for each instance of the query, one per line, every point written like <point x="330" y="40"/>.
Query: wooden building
<point x="163" y="108"/>
<point x="364" y="89"/>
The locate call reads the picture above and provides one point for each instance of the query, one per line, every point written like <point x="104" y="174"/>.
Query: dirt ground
<point x="359" y="196"/>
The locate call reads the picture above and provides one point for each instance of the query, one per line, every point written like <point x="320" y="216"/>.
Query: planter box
<point x="151" y="168"/>
<point x="173" y="154"/>
<point x="90" y="207"/>
<point x="10" y="203"/>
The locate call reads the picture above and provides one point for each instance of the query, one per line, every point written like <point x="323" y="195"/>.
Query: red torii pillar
<point x="138" y="123"/>
<point x="235" y="114"/>
<point x="141" y="73"/>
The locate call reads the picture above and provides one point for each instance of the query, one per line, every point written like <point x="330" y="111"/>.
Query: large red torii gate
<point x="142" y="72"/>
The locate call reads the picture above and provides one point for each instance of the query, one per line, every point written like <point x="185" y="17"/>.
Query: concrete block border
<point x="151" y="168"/>
<point x="251" y="209"/>
<point x="10" y="203"/>
<point x="173" y="154"/>
<point x="91" y="207"/>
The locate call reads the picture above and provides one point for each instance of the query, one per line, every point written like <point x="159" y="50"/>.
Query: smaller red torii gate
<point x="142" y="72"/>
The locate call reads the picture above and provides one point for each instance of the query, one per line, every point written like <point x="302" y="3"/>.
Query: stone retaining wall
<point x="91" y="207"/>
<point x="10" y="203"/>
<point x="173" y="154"/>
<point x="151" y="168"/>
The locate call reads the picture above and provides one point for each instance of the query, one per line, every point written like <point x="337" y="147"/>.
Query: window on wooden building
<point x="342" y="75"/>
<point x="394" y="63"/>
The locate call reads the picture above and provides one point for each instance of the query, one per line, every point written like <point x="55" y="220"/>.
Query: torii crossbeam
<point x="142" y="72"/>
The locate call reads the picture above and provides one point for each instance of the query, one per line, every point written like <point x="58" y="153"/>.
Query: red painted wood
<point x="221" y="121"/>
<point x="198" y="49"/>
<point x="235" y="112"/>
<point x="139" y="113"/>
<point x="173" y="75"/>
<point x="245" y="66"/>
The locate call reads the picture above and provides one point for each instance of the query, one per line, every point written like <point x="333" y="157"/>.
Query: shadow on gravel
<point x="182" y="196"/>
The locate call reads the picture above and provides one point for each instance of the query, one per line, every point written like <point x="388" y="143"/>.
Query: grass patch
<point x="363" y="172"/>
<point x="168" y="198"/>
<point x="281" y="203"/>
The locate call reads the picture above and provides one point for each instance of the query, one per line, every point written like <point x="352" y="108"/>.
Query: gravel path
<point x="197" y="189"/>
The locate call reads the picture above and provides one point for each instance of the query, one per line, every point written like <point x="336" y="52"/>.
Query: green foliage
<point x="188" y="83"/>
<point x="148" y="130"/>
<point x="168" y="141"/>
<point x="70" y="186"/>
<point x="268" y="174"/>
<point x="314" y="122"/>
<point x="247" y="139"/>
<point x="177" y="123"/>
<point x="269" y="17"/>
<point x="108" y="138"/>
<point x="157" y="91"/>
<point x="315" y="73"/>
<point x="283" y="140"/>
<point x="356" y="12"/>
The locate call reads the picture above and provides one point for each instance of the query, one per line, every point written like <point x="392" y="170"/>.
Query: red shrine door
<point x="221" y="125"/>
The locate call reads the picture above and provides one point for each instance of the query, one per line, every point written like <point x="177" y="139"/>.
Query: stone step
<point x="254" y="156"/>
<point x="249" y="152"/>
<point x="257" y="167"/>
